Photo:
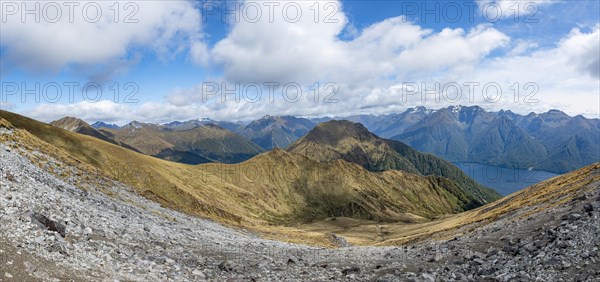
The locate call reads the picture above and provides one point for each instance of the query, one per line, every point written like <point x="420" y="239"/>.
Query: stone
<point x="387" y="278"/>
<point x="120" y="244"/>
<point x="42" y="220"/>
<point x="588" y="208"/>
<point x="351" y="270"/>
<point x="198" y="273"/>
<point x="478" y="261"/>
<point x="436" y="257"/>
<point x="87" y="231"/>
<point x="339" y="240"/>
<point x="227" y="266"/>
<point x="427" y="277"/>
<point x="59" y="247"/>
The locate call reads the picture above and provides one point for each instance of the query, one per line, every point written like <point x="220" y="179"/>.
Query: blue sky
<point x="369" y="53"/>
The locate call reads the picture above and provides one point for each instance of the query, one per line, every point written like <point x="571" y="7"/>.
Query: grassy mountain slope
<point x="172" y="184"/>
<point x="428" y="164"/>
<point x="253" y="195"/>
<point x="298" y="189"/>
<point x="352" y="142"/>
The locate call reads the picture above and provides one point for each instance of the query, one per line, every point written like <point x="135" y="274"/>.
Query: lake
<point x="504" y="180"/>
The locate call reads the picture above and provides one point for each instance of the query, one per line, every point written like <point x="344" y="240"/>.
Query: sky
<point x="159" y="61"/>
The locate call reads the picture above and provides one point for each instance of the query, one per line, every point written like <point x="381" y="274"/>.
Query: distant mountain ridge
<point x="193" y="142"/>
<point x="186" y="125"/>
<point x="551" y="141"/>
<point x="100" y="124"/>
<point x="201" y="143"/>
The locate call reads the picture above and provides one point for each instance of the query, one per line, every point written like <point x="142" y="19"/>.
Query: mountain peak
<point x="134" y="125"/>
<point x="70" y="119"/>
<point x="555" y="112"/>
<point x="101" y="124"/>
<point x="554" y="116"/>
<point x="333" y="131"/>
<point x="70" y="123"/>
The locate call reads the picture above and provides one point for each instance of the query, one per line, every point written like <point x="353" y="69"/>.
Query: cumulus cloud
<point x="93" y="33"/>
<point x="311" y="50"/>
<point x="566" y="75"/>
<point x="582" y="50"/>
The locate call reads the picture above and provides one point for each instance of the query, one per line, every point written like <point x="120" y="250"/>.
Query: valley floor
<point x="52" y="230"/>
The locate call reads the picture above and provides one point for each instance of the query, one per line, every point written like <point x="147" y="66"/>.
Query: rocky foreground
<point x="52" y="230"/>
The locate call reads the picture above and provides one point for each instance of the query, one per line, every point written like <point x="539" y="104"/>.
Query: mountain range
<point x="192" y="142"/>
<point x="551" y="141"/>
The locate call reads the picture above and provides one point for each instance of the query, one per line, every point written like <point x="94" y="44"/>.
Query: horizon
<point x="246" y="121"/>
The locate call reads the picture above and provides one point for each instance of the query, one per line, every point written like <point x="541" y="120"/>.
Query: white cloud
<point x="582" y="50"/>
<point x="567" y="75"/>
<point x="361" y="67"/>
<point x="165" y="26"/>
<point x="306" y="51"/>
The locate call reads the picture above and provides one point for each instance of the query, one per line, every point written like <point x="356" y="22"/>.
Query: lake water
<point x="504" y="180"/>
